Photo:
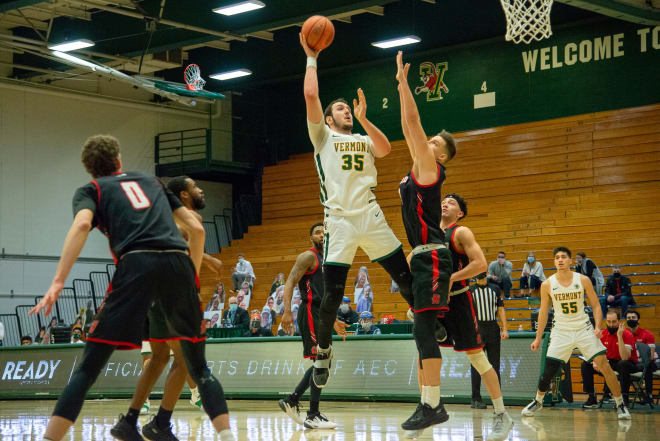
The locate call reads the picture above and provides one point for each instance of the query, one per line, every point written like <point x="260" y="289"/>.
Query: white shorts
<point x="368" y="230"/>
<point x="562" y="343"/>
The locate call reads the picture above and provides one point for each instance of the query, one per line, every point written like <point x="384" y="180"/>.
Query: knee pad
<point x="551" y="368"/>
<point x="480" y="362"/>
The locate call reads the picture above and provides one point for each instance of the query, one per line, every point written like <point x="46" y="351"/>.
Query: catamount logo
<point x="431" y="76"/>
<point x="27" y="372"/>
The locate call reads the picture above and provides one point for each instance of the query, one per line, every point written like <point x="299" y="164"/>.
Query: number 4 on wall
<point x="483" y="87"/>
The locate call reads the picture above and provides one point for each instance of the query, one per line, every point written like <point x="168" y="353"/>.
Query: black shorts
<point x="431" y="271"/>
<point x="308" y="320"/>
<point x="461" y="324"/>
<point x="162" y="285"/>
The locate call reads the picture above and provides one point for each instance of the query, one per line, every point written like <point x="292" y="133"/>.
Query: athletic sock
<point x="432" y="395"/>
<point x="618" y="400"/>
<point x="131" y="416"/>
<point x="540" y="396"/>
<point x="163" y="418"/>
<point x="498" y="404"/>
<point x="226" y="435"/>
<point x="424" y="397"/>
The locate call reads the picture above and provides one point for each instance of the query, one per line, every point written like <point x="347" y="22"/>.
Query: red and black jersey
<point x="421" y="209"/>
<point x="311" y="284"/>
<point x="460" y="259"/>
<point x="133" y="210"/>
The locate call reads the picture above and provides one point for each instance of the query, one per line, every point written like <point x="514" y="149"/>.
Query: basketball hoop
<point x="193" y="78"/>
<point x="527" y="20"/>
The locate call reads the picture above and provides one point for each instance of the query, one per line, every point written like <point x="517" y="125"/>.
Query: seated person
<point x="235" y="317"/>
<point x="260" y="324"/>
<point x="621" y="354"/>
<point x="532" y="275"/>
<point x="499" y="273"/>
<point x="279" y="281"/>
<point x="366" y="299"/>
<point x="345" y="313"/>
<point x="617" y="292"/>
<point x="26" y="340"/>
<point x="242" y="272"/>
<point x="40" y="336"/>
<point x="367" y="327"/>
<point x="76" y="335"/>
<point x="641" y="335"/>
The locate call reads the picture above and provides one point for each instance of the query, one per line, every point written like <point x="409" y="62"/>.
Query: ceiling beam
<point x="17" y="20"/>
<point x="16" y="4"/>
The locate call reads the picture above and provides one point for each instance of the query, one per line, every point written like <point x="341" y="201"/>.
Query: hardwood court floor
<point x="263" y="421"/>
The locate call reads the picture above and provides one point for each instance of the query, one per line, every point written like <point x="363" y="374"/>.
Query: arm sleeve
<point x="317" y="133"/>
<point x="86" y="197"/>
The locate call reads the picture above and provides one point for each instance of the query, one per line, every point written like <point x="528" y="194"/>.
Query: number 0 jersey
<point x="133" y="210"/>
<point x="346" y="169"/>
<point x="568" y="303"/>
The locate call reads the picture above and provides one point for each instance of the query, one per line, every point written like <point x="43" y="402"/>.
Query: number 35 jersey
<point x="568" y="302"/>
<point x="346" y="169"/>
<point x="133" y="210"/>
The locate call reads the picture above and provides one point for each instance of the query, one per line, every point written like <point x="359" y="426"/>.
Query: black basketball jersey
<point x="133" y="210"/>
<point x="311" y="283"/>
<point x="421" y="209"/>
<point x="460" y="259"/>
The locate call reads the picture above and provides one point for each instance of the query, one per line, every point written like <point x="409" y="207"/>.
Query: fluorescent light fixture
<point x="239" y="8"/>
<point x="76" y="60"/>
<point x="400" y="41"/>
<point x="231" y="74"/>
<point x="67" y="46"/>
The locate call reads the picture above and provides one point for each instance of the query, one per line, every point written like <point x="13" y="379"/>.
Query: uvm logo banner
<point x="432" y="78"/>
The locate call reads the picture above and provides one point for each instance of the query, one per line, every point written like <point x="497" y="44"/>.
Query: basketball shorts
<point x="431" y="271"/>
<point x="563" y="341"/>
<point x="368" y="230"/>
<point x="160" y="285"/>
<point x="308" y="320"/>
<point x="461" y="324"/>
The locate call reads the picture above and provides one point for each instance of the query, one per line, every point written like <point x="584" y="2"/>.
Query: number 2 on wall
<point x="134" y="193"/>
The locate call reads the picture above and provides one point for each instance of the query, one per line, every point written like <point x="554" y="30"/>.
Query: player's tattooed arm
<point x="305" y="262"/>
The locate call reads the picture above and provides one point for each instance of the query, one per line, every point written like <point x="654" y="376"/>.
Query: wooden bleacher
<point x="590" y="182"/>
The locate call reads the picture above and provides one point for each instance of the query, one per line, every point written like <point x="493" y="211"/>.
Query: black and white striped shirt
<point x="486" y="300"/>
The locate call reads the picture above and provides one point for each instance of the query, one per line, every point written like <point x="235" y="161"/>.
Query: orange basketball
<point x="319" y="32"/>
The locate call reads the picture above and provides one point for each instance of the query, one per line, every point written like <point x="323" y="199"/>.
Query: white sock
<point x="432" y="396"/>
<point x="498" y="404"/>
<point x="540" y="396"/>
<point x="425" y="394"/>
<point x="226" y="435"/>
<point x="618" y="400"/>
<point x="321" y="350"/>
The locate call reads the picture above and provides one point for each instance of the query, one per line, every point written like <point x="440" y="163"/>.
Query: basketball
<point x="319" y="32"/>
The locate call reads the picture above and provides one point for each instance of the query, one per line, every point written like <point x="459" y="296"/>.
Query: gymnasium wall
<point x="594" y="66"/>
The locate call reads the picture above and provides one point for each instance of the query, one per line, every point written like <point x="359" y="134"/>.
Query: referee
<point x="488" y="304"/>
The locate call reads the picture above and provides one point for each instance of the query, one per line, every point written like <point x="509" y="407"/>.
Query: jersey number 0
<point x="134" y="193"/>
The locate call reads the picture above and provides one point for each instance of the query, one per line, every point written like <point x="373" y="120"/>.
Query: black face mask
<point x="632" y="323"/>
<point x="613" y="330"/>
<point x="617" y="274"/>
<point x="256" y="324"/>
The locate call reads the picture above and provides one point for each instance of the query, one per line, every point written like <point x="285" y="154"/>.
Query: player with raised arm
<point x="353" y="218"/>
<point x="571" y="328"/>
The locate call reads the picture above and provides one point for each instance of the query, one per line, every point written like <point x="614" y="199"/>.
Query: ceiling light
<point x="239" y="8"/>
<point x="73" y="45"/>
<point x="231" y="74"/>
<point x="76" y="60"/>
<point x="400" y="41"/>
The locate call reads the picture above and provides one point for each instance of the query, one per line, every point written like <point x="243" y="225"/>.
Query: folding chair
<point x="638" y="377"/>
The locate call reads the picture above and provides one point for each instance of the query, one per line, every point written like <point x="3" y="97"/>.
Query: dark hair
<point x="26" y="337"/>
<point x="99" y="155"/>
<point x="564" y="249"/>
<point x="461" y="203"/>
<point x="581" y="254"/>
<point x="318" y="224"/>
<point x="450" y="143"/>
<point x="632" y="311"/>
<point x="328" y="110"/>
<point x="501" y="252"/>
<point x="178" y="184"/>
<point x="614" y="311"/>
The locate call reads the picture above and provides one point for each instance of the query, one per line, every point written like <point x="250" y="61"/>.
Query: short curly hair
<point x="99" y="155"/>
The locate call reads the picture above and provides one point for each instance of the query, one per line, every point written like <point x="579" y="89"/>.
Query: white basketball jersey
<point x="346" y="169"/>
<point x="568" y="303"/>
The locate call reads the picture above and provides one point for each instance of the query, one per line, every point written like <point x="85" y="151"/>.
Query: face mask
<point x="255" y="324"/>
<point x="366" y="326"/>
<point x="500" y="259"/>
<point x="617" y="275"/>
<point x="241" y="260"/>
<point x="613" y="330"/>
<point x="632" y="323"/>
<point x="530" y="260"/>
<point x="233" y="307"/>
<point x="76" y="336"/>
<point x="344" y="308"/>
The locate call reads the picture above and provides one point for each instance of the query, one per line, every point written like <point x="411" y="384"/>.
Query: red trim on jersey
<point x="310" y="319"/>
<point x="452" y="239"/>
<point x="192" y="339"/>
<point x="197" y="281"/>
<point x="439" y="308"/>
<point x="317" y="262"/>
<point x="437" y="177"/>
<point x="436" y="270"/>
<point x="474" y="316"/>
<point x="118" y="172"/>
<point x="420" y="212"/>
<point x="98" y="192"/>
<point x="313" y="357"/>
<point x="121" y="345"/>
<point x="462" y="350"/>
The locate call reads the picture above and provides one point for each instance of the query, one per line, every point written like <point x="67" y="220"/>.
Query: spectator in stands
<point x="361" y="280"/>
<point x="586" y="266"/>
<point x="499" y="273"/>
<point x="366" y="299"/>
<point x="26" y="340"/>
<point x="77" y="323"/>
<point x="279" y="281"/>
<point x="367" y="325"/>
<point x="217" y="302"/>
<point x="257" y="328"/>
<point x="617" y="292"/>
<point x="40" y="336"/>
<point x="294" y="312"/>
<point x="643" y="336"/>
<point x="244" y="294"/>
<point x="278" y="300"/>
<point x="243" y="272"/>
<point x="270" y="306"/>
<point x="76" y="335"/>
<point x="345" y="313"/>
<point x="89" y="314"/>
<point x="2" y="333"/>
<point x="214" y="322"/>
<point x="621" y="354"/>
<point x="532" y="276"/>
<point x="235" y="317"/>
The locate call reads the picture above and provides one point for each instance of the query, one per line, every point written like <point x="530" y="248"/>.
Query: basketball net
<point x="193" y="78"/>
<point x="527" y="20"/>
